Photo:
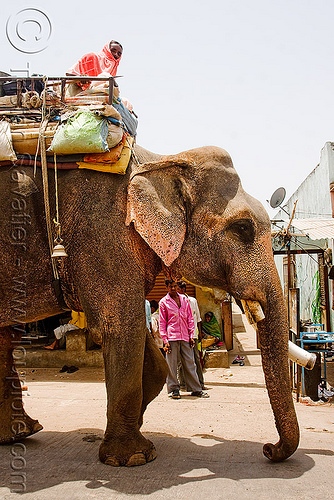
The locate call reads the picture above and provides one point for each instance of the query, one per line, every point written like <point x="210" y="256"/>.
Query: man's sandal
<point x="200" y="394"/>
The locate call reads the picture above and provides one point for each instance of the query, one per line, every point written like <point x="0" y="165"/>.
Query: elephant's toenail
<point x="37" y="427"/>
<point x="112" y="461"/>
<point x="151" y="455"/>
<point x="136" y="459"/>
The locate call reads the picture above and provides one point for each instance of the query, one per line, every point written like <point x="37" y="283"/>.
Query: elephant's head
<point x="193" y="212"/>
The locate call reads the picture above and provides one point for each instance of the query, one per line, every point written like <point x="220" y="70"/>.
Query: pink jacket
<point x="175" y="323"/>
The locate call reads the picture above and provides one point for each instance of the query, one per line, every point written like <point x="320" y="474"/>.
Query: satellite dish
<point x="277" y="198"/>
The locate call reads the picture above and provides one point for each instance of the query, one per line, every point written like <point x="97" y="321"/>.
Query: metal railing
<point x="62" y="79"/>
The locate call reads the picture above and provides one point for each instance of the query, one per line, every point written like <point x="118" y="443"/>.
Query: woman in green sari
<point x="210" y="328"/>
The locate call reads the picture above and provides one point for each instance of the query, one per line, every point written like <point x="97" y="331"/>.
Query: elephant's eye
<point x="243" y="229"/>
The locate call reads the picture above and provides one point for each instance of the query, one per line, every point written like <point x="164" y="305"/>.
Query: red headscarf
<point x="93" y="64"/>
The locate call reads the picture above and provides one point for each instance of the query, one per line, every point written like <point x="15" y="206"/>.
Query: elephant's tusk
<point x="253" y="311"/>
<point x="254" y="314"/>
<point x="301" y="357"/>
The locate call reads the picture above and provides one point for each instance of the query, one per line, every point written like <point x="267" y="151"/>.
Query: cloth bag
<point x="115" y="135"/>
<point x="6" y="147"/>
<point x="128" y="118"/>
<point x="82" y="133"/>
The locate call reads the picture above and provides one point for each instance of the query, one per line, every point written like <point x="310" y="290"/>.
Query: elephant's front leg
<point x="15" y="424"/>
<point x="123" y="350"/>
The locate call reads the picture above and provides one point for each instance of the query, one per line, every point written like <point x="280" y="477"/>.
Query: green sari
<point x="212" y="327"/>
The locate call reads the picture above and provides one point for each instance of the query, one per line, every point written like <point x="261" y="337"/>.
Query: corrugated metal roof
<point x="316" y="229"/>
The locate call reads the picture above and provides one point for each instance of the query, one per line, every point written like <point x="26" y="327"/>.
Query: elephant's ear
<point x="157" y="199"/>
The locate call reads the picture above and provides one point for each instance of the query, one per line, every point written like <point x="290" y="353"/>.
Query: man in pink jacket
<point x="176" y="326"/>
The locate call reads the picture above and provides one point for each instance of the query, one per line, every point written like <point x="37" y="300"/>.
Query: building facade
<point x="310" y="256"/>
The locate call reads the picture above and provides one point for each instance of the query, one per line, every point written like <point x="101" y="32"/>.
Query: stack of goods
<point x="25" y="136"/>
<point x="87" y="135"/>
<point x="19" y="93"/>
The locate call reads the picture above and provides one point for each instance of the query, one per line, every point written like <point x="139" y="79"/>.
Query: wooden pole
<point x="227" y="323"/>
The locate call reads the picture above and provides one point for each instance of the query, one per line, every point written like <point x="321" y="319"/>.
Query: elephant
<point x="186" y="214"/>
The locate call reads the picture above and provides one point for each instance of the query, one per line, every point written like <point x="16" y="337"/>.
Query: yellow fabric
<point x="78" y="319"/>
<point x="113" y="168"/>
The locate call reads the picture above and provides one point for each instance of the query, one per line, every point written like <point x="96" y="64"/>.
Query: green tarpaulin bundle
<point x="84" y="132"/>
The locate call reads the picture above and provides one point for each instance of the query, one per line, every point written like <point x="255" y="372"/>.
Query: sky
<point x="255" y="77"/>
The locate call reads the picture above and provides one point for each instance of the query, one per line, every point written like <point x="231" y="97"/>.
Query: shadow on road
<point x="53" y="458"/>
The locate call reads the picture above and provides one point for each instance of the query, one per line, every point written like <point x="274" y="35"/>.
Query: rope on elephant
<point x="132" y="146"/>
<point x="40" y="130"/>
<point x="56" y="283"/>
<point x="46" y="193"/>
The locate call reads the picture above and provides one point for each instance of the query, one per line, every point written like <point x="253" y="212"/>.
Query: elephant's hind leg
<point x="15" y="424"/>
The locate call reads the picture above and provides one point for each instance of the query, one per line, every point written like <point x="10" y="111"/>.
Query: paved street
<point x="209" y="448"/>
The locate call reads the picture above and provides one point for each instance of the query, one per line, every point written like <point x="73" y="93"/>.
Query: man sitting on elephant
<point x="105" y="63"/>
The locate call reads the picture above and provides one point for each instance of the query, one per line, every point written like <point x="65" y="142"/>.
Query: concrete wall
<point x="208" y="301"/>
<point x="74" y="354"/>
<point x="313" y="194"/>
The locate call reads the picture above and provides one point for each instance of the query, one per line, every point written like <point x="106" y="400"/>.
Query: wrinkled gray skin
<point x="186" y="213"/>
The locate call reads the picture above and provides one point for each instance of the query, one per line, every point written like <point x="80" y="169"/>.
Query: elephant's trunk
<point x="274" y="335"/>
